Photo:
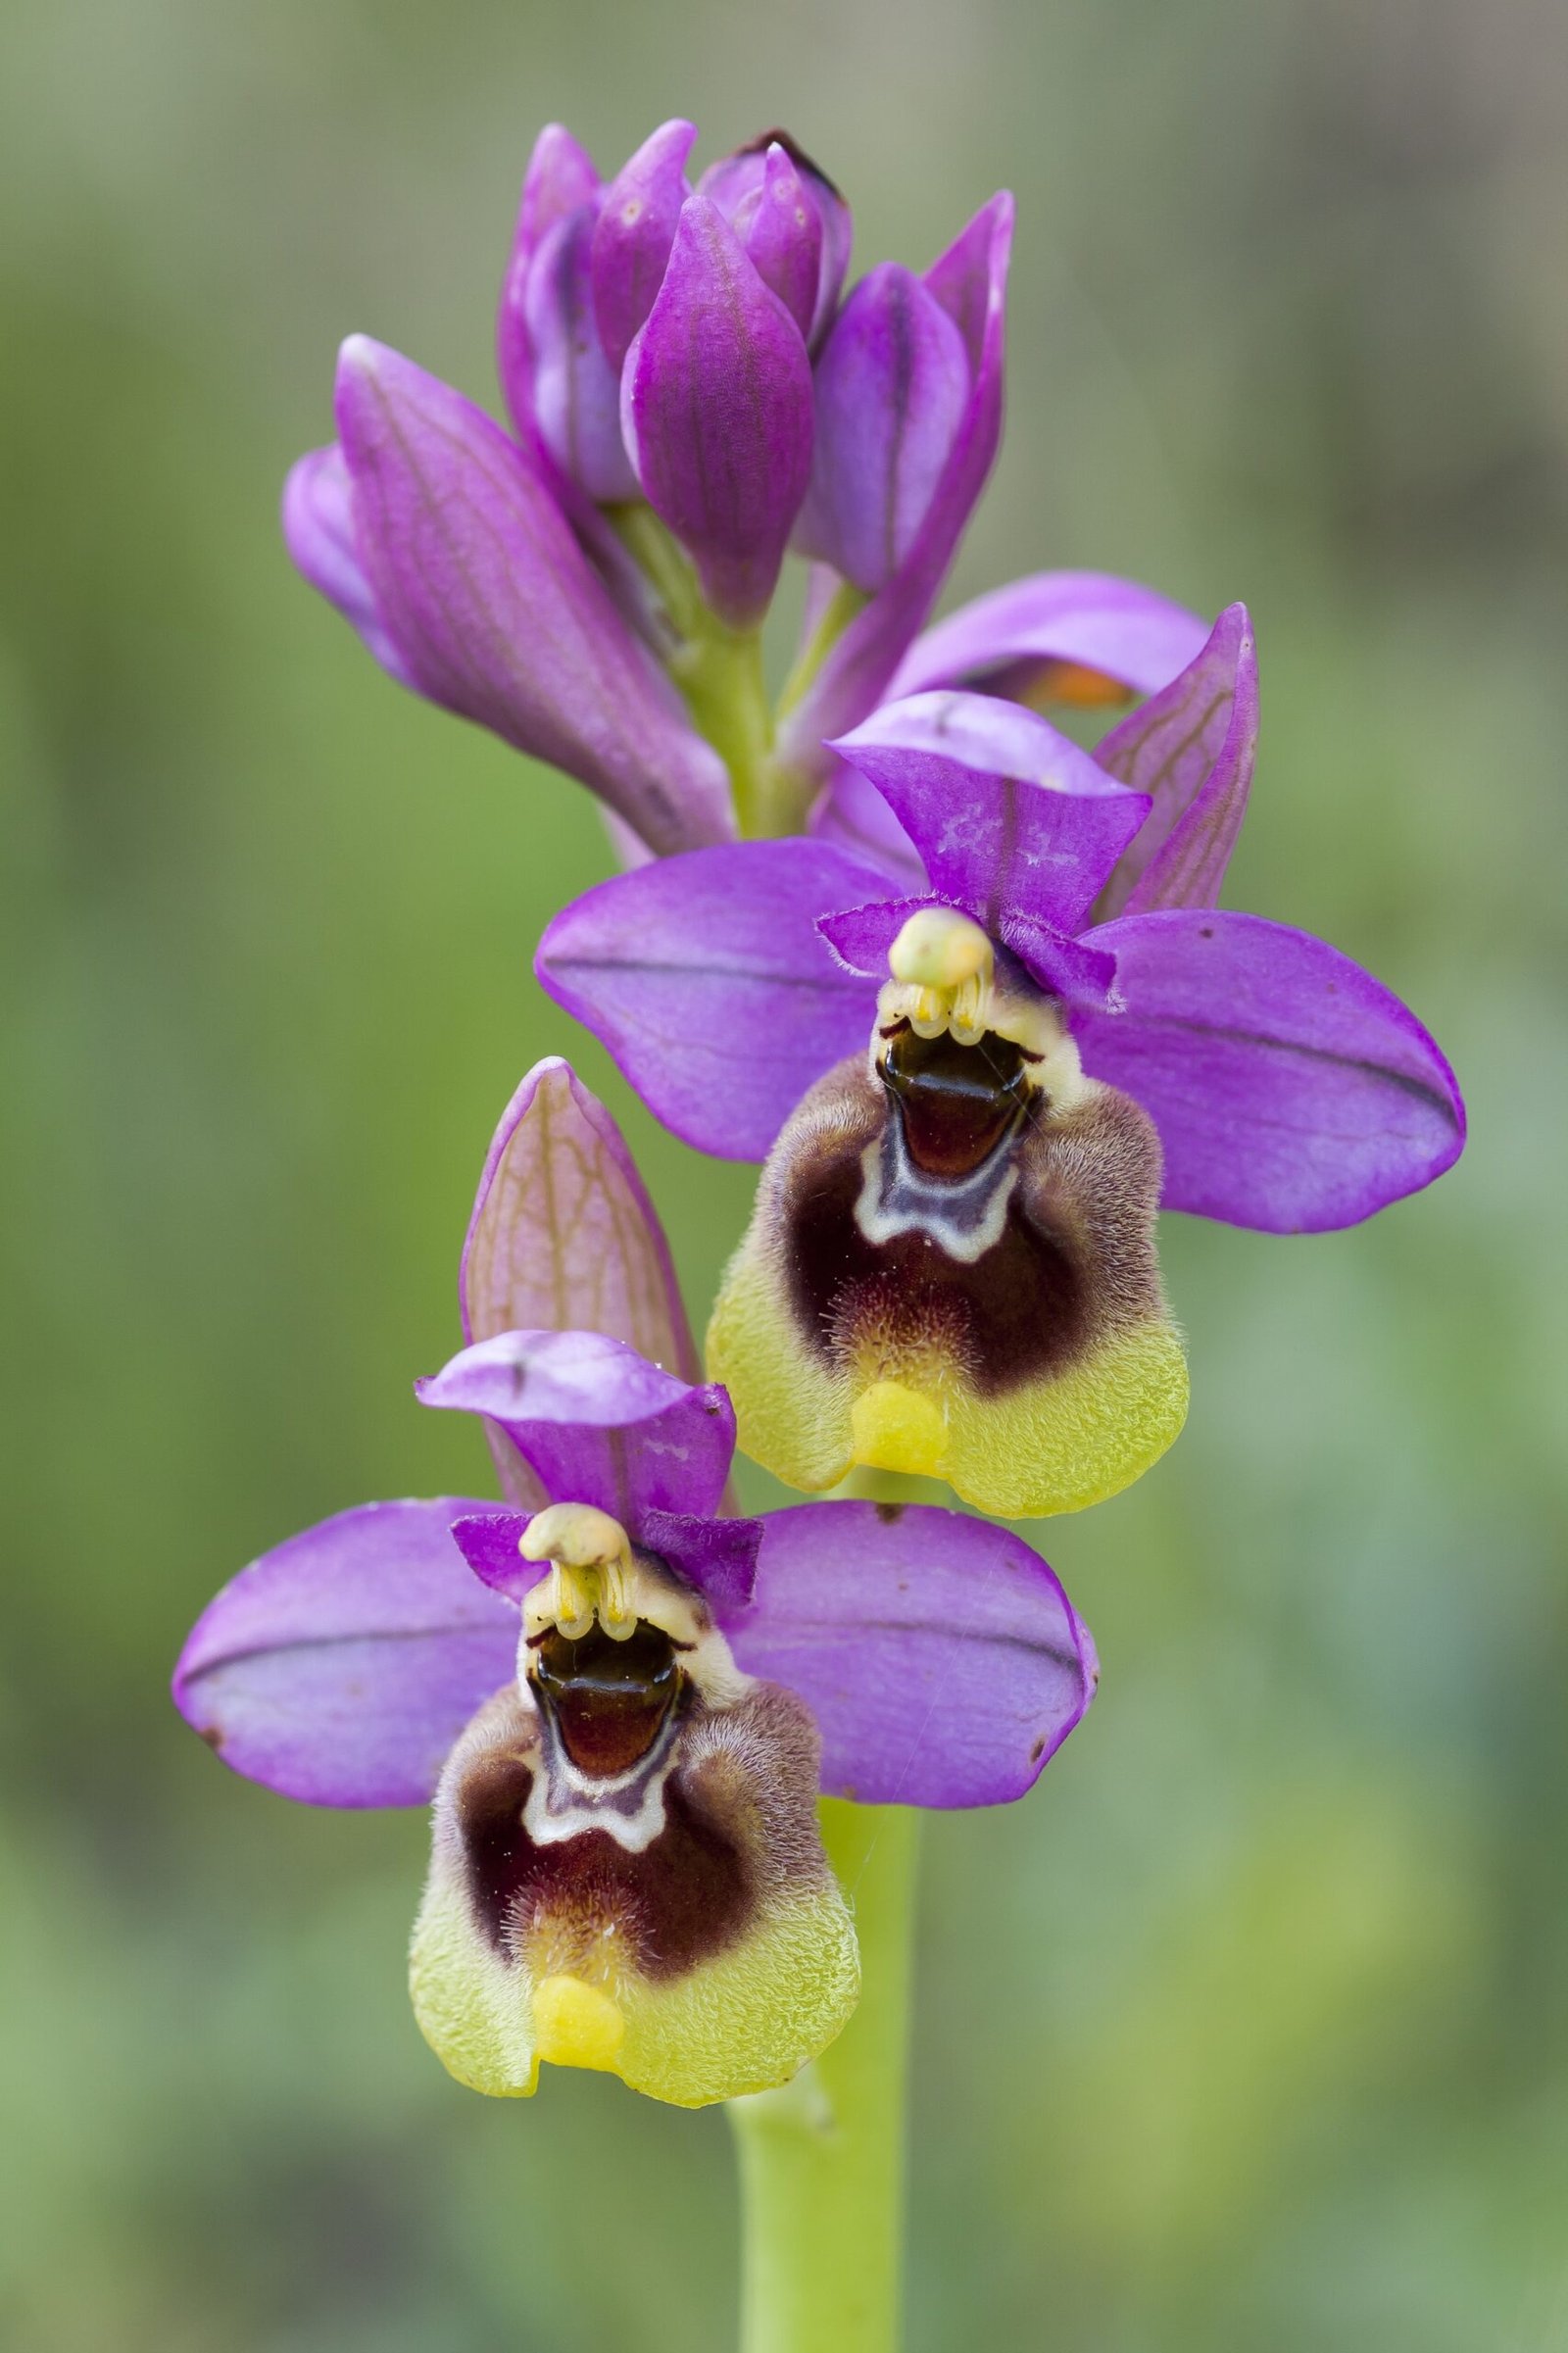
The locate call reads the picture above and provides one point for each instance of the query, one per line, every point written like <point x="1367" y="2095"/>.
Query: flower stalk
<point x="822" y="2160"/>
<point x="719" y="673"/>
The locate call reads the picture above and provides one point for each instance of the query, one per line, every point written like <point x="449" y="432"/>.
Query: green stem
<point x="840" y="610"/>
<point x="821" y="2162"/>
<point x="720" y="672"/>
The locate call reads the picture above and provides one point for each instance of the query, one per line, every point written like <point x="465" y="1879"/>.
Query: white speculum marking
<point x="965" y="1219"/>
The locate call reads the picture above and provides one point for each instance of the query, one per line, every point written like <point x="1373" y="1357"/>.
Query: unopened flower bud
<point x="892" y="386"/>
<point x="634" y="232"/>
<point x="739" y="185"/>
<point x="716" y="413"/>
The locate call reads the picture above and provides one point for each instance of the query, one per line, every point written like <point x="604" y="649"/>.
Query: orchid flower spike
<point x="972" y="1097"/>
<point x="623" y="1701"/>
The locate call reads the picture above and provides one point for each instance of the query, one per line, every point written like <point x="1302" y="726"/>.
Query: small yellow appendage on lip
<point x="576" y="2024"/>
<point x="896" y="1429"/>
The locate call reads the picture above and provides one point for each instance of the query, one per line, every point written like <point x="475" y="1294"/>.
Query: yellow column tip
<point x="575" y="2024"/>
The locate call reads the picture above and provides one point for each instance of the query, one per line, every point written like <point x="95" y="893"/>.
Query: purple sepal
<point x="717" y="415"/>
<point x="563" y="1234"/>
<point x="635" y="231"/>
<point x="716" y="1556"/>
<point x="1093" y="620"/>
<point x="1080" y="975"/>
<point x="892" y="385"/>
<point x="340" y="1667"/>
<point x="576" y="393"/>
<point x="1192" y="745"/>
<point x="318" y="533"/>
<point x="496" y="612"/>
<point x="559" y="177"/>
<point x="850" y="814"/>
<point x="969" y="281"/>
<point x="1005" y="811"/>
<point x="734" y="184"/>
<point x="595" y="1420"/>
<point x="705" y="979"/>
<point x="781" y="230"/>
<point x="938" y="1654"/>
<point x="1292" y="1091"/>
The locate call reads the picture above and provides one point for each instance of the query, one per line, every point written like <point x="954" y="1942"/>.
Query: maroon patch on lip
<point x="1017" y="1314"/>
<point x="956" y="1102"/>
<point x="685" y="1898"/>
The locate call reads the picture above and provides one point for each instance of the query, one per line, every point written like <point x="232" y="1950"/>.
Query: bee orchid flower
<point x="623" y="1701"/>
<point x="972" y="1097"/>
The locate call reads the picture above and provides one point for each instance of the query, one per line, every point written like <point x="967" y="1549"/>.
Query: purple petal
<point x="969" y="281"/>
<point x="597" y="1422"/>
<point x="495" y="610"/>
<point x="733" y="183"/>
<point x="553" y="1376"/>
<point x="341" y="1666"/>
<point x="1292" y="1091"/>
<point x="636" y="229"/>
<point x="781" y="230"/>
<point x="1006" y="813"/>
<point x="716" y="413"/>
<point x="717" y="1556"/>
<point x="1080" y="975"/>
<point x="564" y="1235"/>
<point x="705" y="979"/>
<point x="940" y="1656"/>
<point x="892" y="386"/>
<point x="318" y="533"/>
<point x="576" y="393"/>
<point x="559" y="177"/>
<point x="488" y="1541"/>
<point x="1081" y="972"/>
<point x="860" y="936"/>
<point x="1191" y="747"/>
<point x="1090" y="619"/>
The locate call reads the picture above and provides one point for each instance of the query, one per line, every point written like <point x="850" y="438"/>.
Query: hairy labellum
<point x="627" y="1872"/>
<point x="949" y="1272"/>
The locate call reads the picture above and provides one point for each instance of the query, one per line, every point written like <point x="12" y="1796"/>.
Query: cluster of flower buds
<point x="689" y="397"/>
<point x="968" y="993"/>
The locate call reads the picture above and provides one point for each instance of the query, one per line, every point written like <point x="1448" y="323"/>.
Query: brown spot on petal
<point x="890" y="1514"/>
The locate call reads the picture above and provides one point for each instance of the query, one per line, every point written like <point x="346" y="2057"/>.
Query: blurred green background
<point x="1250" y="2028"/>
